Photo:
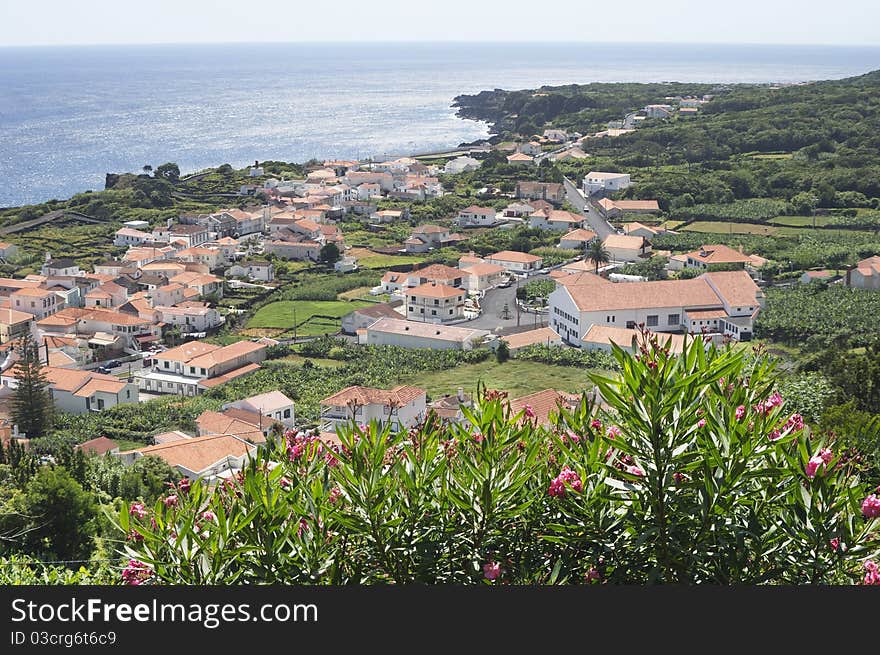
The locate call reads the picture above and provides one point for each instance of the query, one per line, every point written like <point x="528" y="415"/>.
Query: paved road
<point x="492" y="305"/>
<point x="598" y="224"/>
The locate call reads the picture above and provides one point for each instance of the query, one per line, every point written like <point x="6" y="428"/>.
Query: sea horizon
<point x="70" y="114"/>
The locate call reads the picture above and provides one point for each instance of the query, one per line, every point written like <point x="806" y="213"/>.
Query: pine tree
<point x="32" y="405"/>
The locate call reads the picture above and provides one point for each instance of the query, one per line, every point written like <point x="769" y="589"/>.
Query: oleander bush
<point x="691" y="470"/>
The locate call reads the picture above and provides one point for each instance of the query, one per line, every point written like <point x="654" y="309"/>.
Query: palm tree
<point x="147" y="169"/>
<point x="596" y="251"/>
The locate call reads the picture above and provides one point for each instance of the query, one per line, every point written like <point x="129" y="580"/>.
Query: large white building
<point x="723" y="303"/>
<point x="435" y="303"/>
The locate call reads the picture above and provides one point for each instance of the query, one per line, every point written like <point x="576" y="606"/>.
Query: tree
<point x="329" y="253"/>
<point x="32" y="405"/>
<point x="502" y="352"/>
<point x="60" y="513"/>
<point x="147" y="169"/>
<point x="168" y="171"/>
<point x="596" y="251"/>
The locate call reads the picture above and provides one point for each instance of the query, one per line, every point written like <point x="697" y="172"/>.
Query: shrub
<point x="692" y="471"/>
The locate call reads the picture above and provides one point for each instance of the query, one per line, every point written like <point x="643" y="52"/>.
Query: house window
<point x="128" y="393"/>
<point x="673" y="319"/>
<point x="204" y="371"/>
<point x="450" y="312"/>
<point x="433" y="312"/>
<point x="652" y="320"/>
<point x="286" y="413"/>
<point x="630" y="325"/>
<point x="100" y="403"/>
<point x="167" y="365"/>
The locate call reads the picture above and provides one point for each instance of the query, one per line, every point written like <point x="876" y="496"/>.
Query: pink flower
<point x="491" y="570"/>
<point x="572" y="478"/>
<point x="635" y="470"/>
<point x="679" y="478"/>
<point x="138" y="510"/>
<point x="835" y="544"/>
<point x="596" y="424"/>
<point x="134" y="535"/>
<point x="872" y="575"/>
<point x="335" y="493"/>
<point x="813" y="465"/>
<point x="170" y="501"/>
<point x="774" y="435"/>
<point x="136" y="572"/>
<point x="208" y="515"/>
<point x="557" y="488"/>
<point x="613" y="432"/>
<point x="478" y="438"/>
<point x="303" y="526"/>
<point x="740" y="412"/>
<point x="775" y="400"/>
<point x="330" y="458"/>
<point x="184" y="485"/>
<point x="795" y="423"/>
<point x="826" y="455"/>
<point x="593" y="575"/>
<point x="871" y="507"/>
<point x="701" y="423"/>
<point x="285" y="483"/>
<point x="529" y="412"/>
<point x="574" y="438"/>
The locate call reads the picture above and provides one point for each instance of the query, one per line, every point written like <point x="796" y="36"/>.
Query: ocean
<point x="68" y="115"/>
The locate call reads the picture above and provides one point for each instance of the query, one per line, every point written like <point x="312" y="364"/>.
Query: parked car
<point x="114" y="363"/>
<point x="103" y="369"/>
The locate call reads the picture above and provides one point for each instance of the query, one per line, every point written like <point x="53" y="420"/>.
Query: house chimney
<point x="848" y="275"/>
<point x="460" y="394"/>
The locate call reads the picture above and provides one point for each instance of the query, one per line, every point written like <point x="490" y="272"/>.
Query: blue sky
<point x="62" y="22"/>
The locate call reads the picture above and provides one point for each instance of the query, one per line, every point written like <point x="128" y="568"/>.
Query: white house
<point x="188" y="369"/>
<point x="625" y="248"/>
<point x="208" y="457"/>
<point x="361" y="319"/>
<point x="577" y="239"/>
<point x="191" y="317"/>
<point x="475" y="216"/>
<point x="79" y="392"/>
<point x="555" y="219"/>
<point x="402" y="407"/>
<point x="866" y="275"/>
<point x="516" y="262"/>
<point x="598" y="181"/>
<point x="345" y="264"/>
<point x="435" y="303"/>
<point x="415" y="334"/>
<point x="255" y="270"/>
<point x="461" y="165"/>
<point x="127" y="236"/>
<point x="39" y="302"/>
<point x="483" y="276"/>
<point x="272" y="404"/>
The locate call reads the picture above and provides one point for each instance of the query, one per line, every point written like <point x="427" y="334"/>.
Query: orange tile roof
<point x="187" y="351"/>
<point x="99" y="446"/>
<point x="718" y="254"/>
<point x="210" y="383"/>
<point x="607" y="334"/>
<point x="433" y="290"/>
<point x="437" y="272"/>
<point x="623" y="241"/>
<point x="531" y="337"/>
<point x="735" y="287"/>
<point x="483" y="268"/>
<point x="514" y="256"/>
<point x="226" y="354"/>
<point x="593" y="293"/>
<point x="579" y="235"/>
<point x="637" y="205"/>
<point x="198" y="453"/>
<point x="544" y="404"/>
<point x="398" y="396"/>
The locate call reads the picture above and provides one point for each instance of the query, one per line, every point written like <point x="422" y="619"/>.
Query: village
<point x="134" y="328"/>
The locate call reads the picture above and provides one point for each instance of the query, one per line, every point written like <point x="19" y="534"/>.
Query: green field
<point x="725" y="227"/>
<point x="280" y="315"/>
<point x="800" y="221"/>
<point x="317" y="361"/>
<point x="361" y="292"/>
<point x="518" y="378"/>
<point x="368" y="259"/>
